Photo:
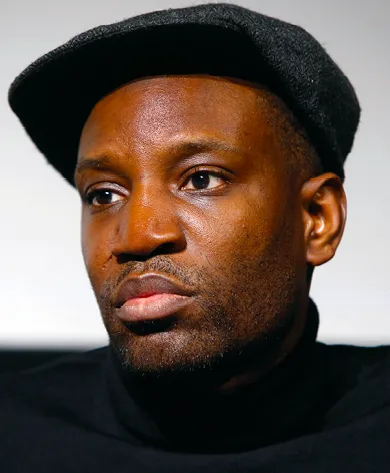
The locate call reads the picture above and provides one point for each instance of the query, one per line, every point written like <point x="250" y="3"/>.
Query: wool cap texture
<point x="54" y="96"/>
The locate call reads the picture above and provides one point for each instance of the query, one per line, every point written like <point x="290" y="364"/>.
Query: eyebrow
<point x="99" y="162"/>
<point x="181" y="148"/>
<point x="203" y="144"/>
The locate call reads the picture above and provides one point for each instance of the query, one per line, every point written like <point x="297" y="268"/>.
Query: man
<point x="207" y="145"/>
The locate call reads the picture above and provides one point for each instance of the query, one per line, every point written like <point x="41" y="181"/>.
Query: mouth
<point x="150" y="297"/>
<point x="156" y="306"/>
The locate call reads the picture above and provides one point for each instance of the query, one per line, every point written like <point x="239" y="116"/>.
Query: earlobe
<point x="324" y="215"/>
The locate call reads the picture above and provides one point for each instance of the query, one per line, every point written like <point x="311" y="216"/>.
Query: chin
<point x="170" y="353"/>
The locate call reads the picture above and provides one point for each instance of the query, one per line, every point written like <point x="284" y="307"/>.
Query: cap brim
<point x="54" y="96"/>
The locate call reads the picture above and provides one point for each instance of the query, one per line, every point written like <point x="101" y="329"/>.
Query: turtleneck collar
<point x="284" y="404"/>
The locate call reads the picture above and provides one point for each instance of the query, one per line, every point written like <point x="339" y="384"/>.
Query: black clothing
<point x="326" y="409"/>
<point x="54" y="96"/>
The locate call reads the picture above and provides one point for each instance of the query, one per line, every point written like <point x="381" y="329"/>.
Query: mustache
<point x="160" y="265"/>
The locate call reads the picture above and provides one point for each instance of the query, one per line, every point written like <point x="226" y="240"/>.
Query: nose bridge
<point x="146" y="207"/>
<point x="149" y="221"/>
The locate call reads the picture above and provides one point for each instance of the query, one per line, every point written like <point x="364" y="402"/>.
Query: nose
<point x="148" y="225"/>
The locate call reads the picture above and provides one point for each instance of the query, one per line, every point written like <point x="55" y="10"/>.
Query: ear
<point x="324" y="207"/>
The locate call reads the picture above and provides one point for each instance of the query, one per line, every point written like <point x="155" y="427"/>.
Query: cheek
<point x="231" y="229"/>
<point x="96" y="240"/>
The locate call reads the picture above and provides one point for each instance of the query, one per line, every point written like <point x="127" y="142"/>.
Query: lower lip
<point x="153" y="307"/>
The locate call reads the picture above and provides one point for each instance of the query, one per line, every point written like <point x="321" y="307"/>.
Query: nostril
<point x="123" y="258"/>
<point x="166" y="248"/>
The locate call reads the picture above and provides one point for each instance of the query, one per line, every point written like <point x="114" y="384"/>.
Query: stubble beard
<point x="238" y="320"/>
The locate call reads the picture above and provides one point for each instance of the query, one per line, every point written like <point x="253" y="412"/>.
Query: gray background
<point x="45" y="296"/>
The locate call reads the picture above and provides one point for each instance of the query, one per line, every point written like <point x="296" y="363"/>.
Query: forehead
<point x="151" y="111"/>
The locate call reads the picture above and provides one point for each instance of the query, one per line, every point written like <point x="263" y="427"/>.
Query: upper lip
<point x="147" y="285"/>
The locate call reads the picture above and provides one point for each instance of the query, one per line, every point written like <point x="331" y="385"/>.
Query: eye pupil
<point x="103" y="197"/>
<point x="201" y="180"/>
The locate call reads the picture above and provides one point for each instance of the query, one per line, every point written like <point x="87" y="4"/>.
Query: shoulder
<point x="358" y="382"/>
<point x="356" y="363"/>
<point x="54" y="416"/>
<point x="363" y="354"/>
<point x="64" y="384"/>
<point x="64" y="371"/>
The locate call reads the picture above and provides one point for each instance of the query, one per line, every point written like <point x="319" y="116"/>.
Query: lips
<point x="150" y="297"/>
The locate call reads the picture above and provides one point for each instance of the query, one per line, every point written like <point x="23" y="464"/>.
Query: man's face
<point x="188" y="182"/>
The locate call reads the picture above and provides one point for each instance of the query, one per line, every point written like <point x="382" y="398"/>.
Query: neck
<point x="257" y="373"/>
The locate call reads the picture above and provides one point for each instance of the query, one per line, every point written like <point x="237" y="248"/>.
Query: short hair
<point x="303" y="161"/>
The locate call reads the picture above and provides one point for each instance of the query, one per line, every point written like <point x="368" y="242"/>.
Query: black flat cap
<point x="54" y="96"/>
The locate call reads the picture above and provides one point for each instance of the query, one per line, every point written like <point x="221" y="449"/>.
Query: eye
<point x="204" y="180"/>
<point x="100" y="197"/>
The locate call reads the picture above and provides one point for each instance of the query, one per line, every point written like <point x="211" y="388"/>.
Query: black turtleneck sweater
<point x="324" y="409"/>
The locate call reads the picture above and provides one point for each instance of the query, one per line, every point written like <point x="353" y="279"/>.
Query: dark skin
<point x="184" y="176"/>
